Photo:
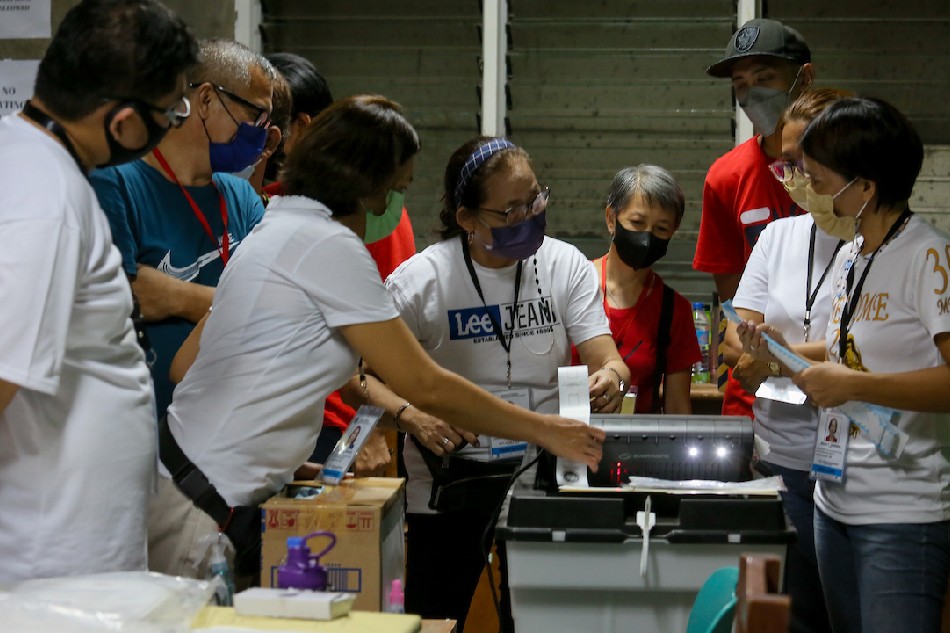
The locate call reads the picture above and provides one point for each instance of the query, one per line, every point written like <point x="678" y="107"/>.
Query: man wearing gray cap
<point x="770" y="65"/>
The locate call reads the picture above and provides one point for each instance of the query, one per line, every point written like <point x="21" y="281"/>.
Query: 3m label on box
<point x="360" y="520"/>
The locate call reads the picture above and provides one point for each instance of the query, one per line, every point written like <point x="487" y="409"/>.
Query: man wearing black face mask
<point x="178" y="214"/>
<point x="77" y="424"/>
<point x="770" y="65"/>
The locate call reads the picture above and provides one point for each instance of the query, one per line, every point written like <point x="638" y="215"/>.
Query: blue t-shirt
<point x="153" y="224"/>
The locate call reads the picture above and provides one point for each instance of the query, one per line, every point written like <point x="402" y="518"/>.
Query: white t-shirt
<point x="774" y="283"/>
<point x="903" y="305"/>
<point x="77" y="442"/>
<point x="558" y="304"/>
<point x="249" y="410"/>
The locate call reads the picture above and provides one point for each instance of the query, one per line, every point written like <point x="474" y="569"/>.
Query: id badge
<point x="831" y="447"/>
<point x="500" y="448"/>
<point x="781" y="390"/>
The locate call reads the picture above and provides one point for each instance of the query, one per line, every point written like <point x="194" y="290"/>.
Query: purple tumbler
<point x="301" y="570"/>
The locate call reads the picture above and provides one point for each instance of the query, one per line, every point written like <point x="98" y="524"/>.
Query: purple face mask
<point x="520" y="241"/>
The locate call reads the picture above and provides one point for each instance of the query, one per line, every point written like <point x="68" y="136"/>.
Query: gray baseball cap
<point x="762" y="38"/>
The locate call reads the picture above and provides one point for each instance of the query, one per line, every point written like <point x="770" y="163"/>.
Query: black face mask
<point x="119" y="154"/>
<point x="638" y="249"/>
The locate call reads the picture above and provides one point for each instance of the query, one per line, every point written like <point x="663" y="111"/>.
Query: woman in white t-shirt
<point x="296" y="308"/>
<point x="882" y="532"/>
<point x="494" y="270"/>
<point x="785" y="284"/>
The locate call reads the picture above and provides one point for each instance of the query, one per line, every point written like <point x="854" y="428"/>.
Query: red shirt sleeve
<point x="336" y="412"/>
<point x="720" y="248"/>
<point x="683" y="351"/>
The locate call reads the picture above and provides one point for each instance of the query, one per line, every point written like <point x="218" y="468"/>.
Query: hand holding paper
<point x="877" y="423"/>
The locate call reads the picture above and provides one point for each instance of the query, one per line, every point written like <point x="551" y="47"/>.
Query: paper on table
<point x="765" y="486"/>
<point x="769" y="486"/>
<point x="575" y="404"/>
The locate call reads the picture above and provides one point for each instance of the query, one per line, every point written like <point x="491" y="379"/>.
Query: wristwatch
<point x="622" y="384"/>
<point x="775" y="369"/>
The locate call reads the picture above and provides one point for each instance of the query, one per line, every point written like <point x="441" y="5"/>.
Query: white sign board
<point x="22" y="19"/>
<point x="16" y="83"/>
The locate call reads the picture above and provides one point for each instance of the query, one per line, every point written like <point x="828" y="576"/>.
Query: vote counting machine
<point x="614" y="557"/>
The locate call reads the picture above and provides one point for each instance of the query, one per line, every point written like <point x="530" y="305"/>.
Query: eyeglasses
<point x="519" y="213"/>
<point x="785" y="170"/>
<point x="262" y="116"/>
<point x="175" y="114"/>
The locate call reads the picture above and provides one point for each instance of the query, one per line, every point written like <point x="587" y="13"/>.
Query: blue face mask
<point x="241" y="151"/>
<point x="520" y="241"/>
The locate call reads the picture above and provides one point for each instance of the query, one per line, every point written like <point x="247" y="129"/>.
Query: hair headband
<point x="476" y="160"/>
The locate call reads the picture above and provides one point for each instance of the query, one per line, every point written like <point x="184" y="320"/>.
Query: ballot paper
<point x="575" y="404"/>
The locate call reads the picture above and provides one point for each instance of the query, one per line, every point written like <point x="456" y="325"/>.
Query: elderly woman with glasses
<point x="500" y="304"/>
<point x="786" y="284"/>
<point x="296" y="308"/>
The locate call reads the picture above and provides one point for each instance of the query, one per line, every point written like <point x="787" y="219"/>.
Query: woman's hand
<point x="573" y="440"/>
<point x="604" y="389"/>
<point x="437" y="435"/>
<point x="374" y="457"/>
<point x="827" y="384"/>
<point x="752" y="343"/>
<point x="750" y="373"/>
<point x="309" y="470"/>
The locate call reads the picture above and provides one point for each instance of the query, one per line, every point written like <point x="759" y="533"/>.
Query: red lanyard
<point x="223" y="250"/>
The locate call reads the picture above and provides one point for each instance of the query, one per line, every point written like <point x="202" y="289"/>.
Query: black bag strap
<point x="189" y="479"/>
<point x="663" y="330"/>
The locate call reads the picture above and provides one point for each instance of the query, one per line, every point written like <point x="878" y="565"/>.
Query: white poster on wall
<point x="20" y="19"/>
<point x="17" y="77"/>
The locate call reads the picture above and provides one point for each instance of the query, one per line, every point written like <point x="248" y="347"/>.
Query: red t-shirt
<point x="635" y="330"/>
<point x="388" y="253"/>
<point x="740" y="198"/>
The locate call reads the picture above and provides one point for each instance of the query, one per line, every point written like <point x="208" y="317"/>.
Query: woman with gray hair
<point x="651" y="324"/>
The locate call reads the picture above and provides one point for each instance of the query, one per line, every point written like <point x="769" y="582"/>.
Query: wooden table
<point x="705" y="398"/>
<point x="438" y="626"/>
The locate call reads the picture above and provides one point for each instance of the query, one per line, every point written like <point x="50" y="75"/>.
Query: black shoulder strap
<point x="662" y="343"/>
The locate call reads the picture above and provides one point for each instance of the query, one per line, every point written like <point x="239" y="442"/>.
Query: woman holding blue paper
<point x="882" y="533"/>
<point x="786" y="284"/>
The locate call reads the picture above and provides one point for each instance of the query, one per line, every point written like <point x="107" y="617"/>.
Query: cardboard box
<point x="367" y="515"/>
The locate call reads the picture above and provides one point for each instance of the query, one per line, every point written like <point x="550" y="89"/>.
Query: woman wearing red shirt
<point x="644" y="210"/>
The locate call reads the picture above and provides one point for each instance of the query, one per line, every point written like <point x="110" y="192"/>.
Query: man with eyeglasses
<point x="178" y="214"/>
<point x="77" y="419"/>
<point x="769" y="65"/>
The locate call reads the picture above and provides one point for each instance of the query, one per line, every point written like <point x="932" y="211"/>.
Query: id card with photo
<point x="831" y="447"/>
<point x="345" y="451"/>
<point x="491" y="448"/>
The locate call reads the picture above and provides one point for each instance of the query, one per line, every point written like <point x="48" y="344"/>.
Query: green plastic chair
<point x="715" y="604"/>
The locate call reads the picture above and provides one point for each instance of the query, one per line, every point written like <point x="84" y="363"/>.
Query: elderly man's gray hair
<point x="228" y="63"/>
